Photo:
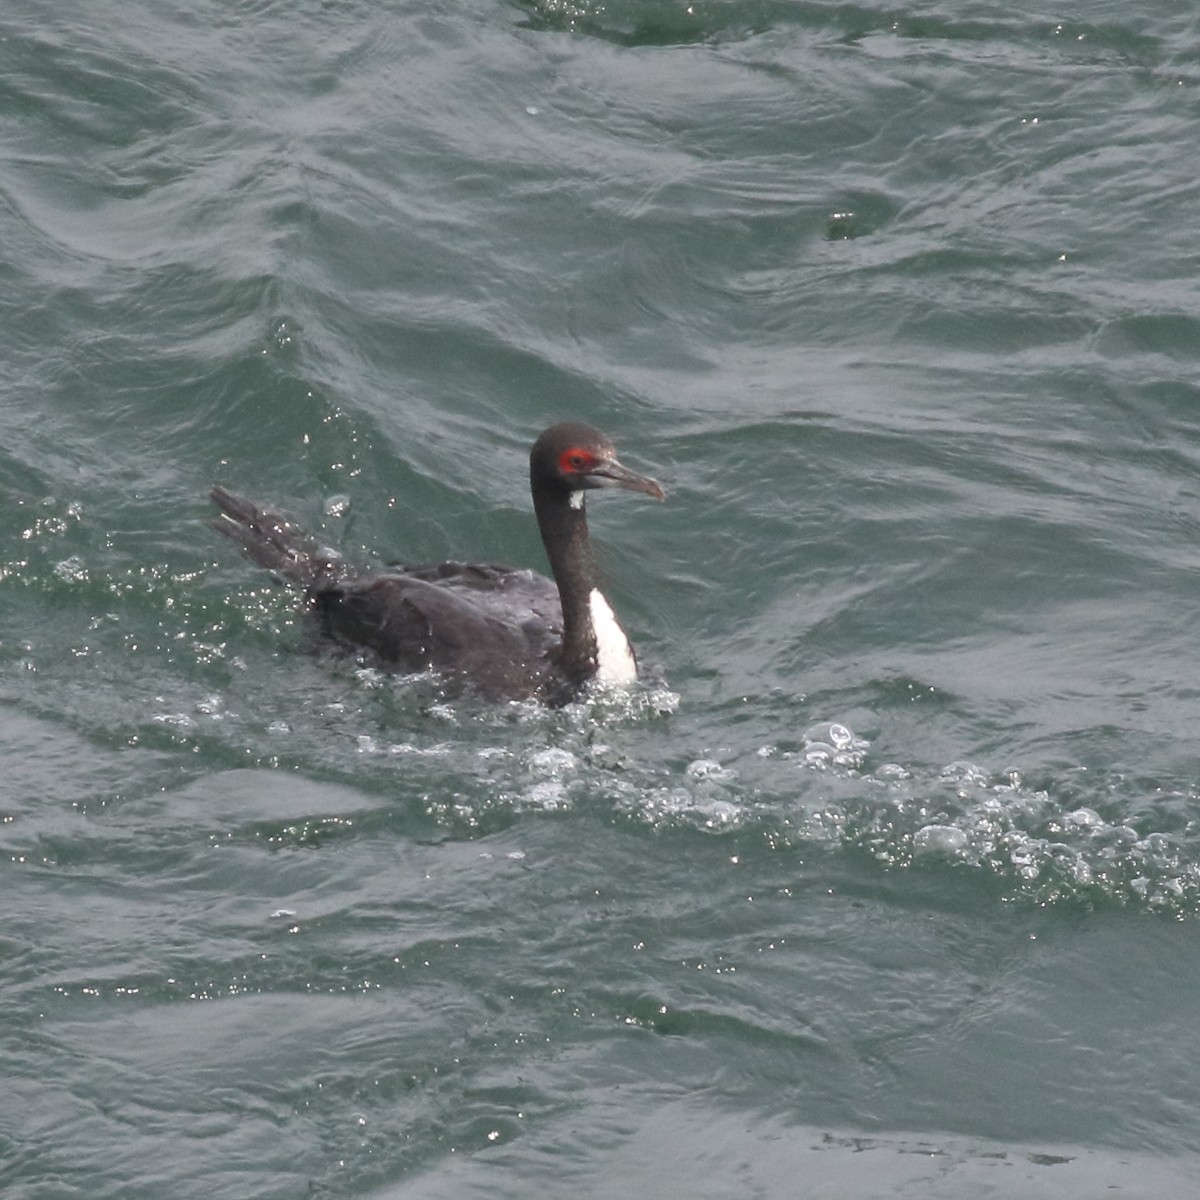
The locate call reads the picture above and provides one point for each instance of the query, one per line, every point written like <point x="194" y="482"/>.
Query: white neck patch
<point x="615" y="664"/>
<point x="576" y="499"/>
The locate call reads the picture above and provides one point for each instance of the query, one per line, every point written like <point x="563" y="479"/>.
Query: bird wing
<point x="490" y="624"/>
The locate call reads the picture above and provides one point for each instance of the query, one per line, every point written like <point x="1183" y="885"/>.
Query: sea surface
<point x="885" y="882"/>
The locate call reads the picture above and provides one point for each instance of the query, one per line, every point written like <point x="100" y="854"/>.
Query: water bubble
<point x="830" y="743"/>
<point x="819" y="754"/>
<point x="965" y="774"/>
<point x="833" y="733"/>
<point x="720" y="812"/>
<point x="549" y="795"/>
<point x="553" y="762"/>
<point x="337" y="506"/>
<point x="1080" y="872"/>
<point x="1022" y="856"/>
<point x="71" y="570"/>
<point x="707" y="768"/>
<point x="947" y="840"/>
<point x="840" y="736"/>
<point x="180" y="720"/>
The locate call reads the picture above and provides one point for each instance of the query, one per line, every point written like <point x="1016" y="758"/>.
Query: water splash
<point x="1047" y="851"/>
<point x="1044" y="850"/>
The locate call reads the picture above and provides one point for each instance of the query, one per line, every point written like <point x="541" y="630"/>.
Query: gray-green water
<point x="901" y="304"/>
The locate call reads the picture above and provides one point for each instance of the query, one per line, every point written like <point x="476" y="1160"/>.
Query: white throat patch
<point x="615" y="664"/>
<point x="575" y="499"/>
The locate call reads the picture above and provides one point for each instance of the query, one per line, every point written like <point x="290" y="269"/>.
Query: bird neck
<point x="586" y="651"/>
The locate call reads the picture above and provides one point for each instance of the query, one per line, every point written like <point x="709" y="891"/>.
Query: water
<point x="886" y="881"/>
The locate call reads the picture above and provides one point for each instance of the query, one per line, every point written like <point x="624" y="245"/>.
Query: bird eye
<point x="575" y="460"/>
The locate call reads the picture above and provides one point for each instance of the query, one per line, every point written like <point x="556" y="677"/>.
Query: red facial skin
<point x="576" y="461"/>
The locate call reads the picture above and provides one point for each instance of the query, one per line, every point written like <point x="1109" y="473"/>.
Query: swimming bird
<point x="500" y="632"/>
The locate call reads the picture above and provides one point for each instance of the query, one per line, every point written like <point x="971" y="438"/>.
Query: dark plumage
<point x="501" y="632"/>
